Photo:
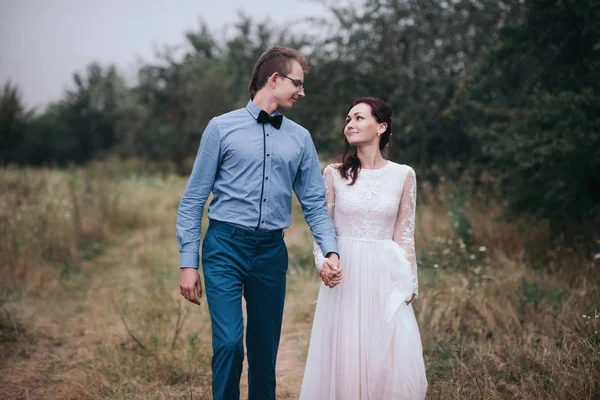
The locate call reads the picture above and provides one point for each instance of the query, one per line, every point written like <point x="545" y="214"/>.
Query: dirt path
<point x="63" y="329"/>
<point x="56" y="356"/>
<point x="290" y="367"/>
<point x="50" y="367"/>
<point x="290" y="359"/>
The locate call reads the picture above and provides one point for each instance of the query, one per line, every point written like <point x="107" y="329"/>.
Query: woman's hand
<point x="330" y="276"/>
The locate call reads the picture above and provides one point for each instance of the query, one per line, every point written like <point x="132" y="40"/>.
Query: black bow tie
<point x="263" y="118"/>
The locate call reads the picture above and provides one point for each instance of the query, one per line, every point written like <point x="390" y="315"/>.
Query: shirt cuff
<point x="330" y="246"/>
<point x="188" y="260"/>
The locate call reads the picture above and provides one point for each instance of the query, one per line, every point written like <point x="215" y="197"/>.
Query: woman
<point x="365" y="342"/>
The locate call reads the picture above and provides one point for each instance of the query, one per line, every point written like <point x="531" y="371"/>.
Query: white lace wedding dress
<point x="365" y="343"/>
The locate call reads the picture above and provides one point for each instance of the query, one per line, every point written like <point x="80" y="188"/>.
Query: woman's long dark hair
<point x="350" y="164"/>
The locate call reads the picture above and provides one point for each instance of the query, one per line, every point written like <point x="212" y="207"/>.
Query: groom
<point x="251" y="159"/>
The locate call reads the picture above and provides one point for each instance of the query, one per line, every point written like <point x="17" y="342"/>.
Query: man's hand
<point x="330" y="276"/>
<point x="190" y="285"/>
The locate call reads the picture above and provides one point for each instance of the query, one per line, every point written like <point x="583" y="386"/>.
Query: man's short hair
<point x="276" y="59"/>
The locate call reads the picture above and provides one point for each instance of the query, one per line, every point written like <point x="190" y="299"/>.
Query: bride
<point x="365" y="343"/>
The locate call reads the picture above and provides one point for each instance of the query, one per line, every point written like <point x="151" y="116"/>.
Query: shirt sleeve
<point x="310" y="190"/>
<point x="200" y="184"/>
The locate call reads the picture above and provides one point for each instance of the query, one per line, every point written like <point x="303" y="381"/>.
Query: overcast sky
<point x="42" y="42"/>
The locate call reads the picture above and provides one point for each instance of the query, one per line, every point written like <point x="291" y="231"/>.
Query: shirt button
<point x="264" y="200"/>
<point x="268" y="155"/>
<point x="267" y="178"/>
<point x="262" y="222"/>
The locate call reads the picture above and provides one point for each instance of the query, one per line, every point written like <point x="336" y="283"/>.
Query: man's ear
<point x="272" y="80"/>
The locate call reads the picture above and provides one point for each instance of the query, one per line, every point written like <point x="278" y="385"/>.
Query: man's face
<point x="290" y="87"/>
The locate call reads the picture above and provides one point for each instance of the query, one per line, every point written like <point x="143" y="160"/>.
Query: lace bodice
<point x="379" y="206"/>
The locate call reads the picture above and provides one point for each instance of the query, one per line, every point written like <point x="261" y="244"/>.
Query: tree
<point x="90" y="110"/>
<point x="174" y="101"/>
<point x="411" y="54"/>
<point x="533" y="101"/>
<point x="14" y="125"/>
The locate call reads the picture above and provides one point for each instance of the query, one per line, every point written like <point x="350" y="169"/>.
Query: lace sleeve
<point x="404" y="229"/>
<point x="330" y="200"/>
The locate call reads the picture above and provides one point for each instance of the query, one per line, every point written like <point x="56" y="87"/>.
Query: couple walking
<point x="365" y="342"/>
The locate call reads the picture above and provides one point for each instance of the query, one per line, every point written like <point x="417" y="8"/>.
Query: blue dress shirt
<point x="251" y="169"/>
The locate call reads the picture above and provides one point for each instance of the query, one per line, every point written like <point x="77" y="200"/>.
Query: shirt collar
<point x="254" y="110"/>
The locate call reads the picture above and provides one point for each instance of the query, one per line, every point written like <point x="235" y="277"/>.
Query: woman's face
<point x="362" y="127"/>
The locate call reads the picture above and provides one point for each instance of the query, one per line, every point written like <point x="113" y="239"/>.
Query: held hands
<point x="190" y="286"/>
<point x="331" y="271"/>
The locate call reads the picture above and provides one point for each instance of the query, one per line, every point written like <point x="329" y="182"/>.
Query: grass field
<point x="90" y="305"/>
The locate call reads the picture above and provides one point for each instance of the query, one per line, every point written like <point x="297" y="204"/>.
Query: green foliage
<point x="505" y="90"/>
<point x="533" y="102"/>
<point x="14" y="125"/>
<point x="550" y="157"/>
<point x="410" y="54"/>
<point x="175" y="101"/>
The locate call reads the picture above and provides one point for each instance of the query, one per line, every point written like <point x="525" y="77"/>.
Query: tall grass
<point x="502" y="312"/>
<point x="494" y="323"/>
<point x="89" y="268"/>
<point x="52" y="219"/>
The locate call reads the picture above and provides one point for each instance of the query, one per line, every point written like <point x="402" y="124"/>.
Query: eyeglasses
<point x="299" y="84"/>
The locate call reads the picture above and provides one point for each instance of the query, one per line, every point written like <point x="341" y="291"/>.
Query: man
<point x="251" y="159"/>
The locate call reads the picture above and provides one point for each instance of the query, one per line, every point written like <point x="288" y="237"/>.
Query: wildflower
<point x="597" y="256"/>
<point x="482" y="249"/>
<point x="472" y="256"/>
<point x="446" y="251"/>
<point x="435" y="266"/>
<point x="462" y="245"/>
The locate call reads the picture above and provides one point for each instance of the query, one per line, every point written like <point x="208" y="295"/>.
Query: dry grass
<point x="89" y="305"/>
